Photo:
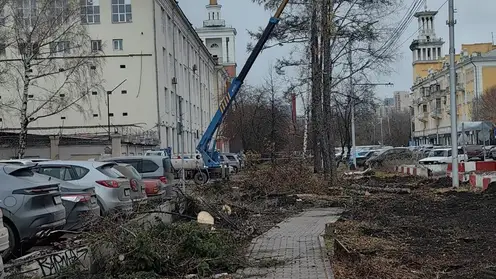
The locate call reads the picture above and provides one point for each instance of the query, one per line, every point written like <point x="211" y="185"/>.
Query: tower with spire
<point x="219" y="39"/>
<point x="427" y="48"/>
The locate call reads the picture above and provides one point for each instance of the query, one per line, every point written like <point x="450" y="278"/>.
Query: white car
<point x="442" y="156"/>
<point x="23" y="162"/>
<point x="113" y="190"/>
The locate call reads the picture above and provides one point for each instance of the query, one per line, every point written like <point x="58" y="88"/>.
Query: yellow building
<point x="475" y="72"/>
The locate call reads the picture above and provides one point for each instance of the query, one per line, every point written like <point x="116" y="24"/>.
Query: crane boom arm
<point x="210" y="156"/>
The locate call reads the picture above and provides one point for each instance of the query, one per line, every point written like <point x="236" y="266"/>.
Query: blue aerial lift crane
<point x="206" y="146"/>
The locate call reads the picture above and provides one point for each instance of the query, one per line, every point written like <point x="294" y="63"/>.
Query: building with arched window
<point x="219" y="38"/>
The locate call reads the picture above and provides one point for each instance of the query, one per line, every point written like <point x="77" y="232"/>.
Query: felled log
<point x="320" y="197"/>
<point x="381" y="189"/>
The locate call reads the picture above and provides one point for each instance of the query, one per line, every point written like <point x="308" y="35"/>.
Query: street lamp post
<point x="108" y="107"/>
<point x="353" y="133"/>
<point x="452" y="83"/>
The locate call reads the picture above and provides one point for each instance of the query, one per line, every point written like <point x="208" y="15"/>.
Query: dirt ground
<point x="433" y="232"/>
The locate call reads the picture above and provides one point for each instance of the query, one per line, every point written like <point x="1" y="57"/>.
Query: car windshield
<point x="134" y="172"/>
<point x="158" y="153"/>
<point x="110" y="171"/>
<point x="362" y="154"/>
<point x="437" y="153"/>
<point x="127" y="171"/>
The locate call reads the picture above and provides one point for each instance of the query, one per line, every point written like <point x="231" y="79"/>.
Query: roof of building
<point x="425" y="13"/>
<point x="491" y="53"/>
<point x="191" y="28"/>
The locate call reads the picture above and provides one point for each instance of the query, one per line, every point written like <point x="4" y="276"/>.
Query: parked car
<point x="150" y="167"/>
<point x="487" y="151"/>
<point x="362" y="157"/>
<point x="492" y="153"/>
<point x="23" y="162"/>
<point x="31" y="204"/>
<point x="232" y="160"/>
<point x="4" y="241"/>
<point x="474" y="152"/>
<point x="113" y="192"/>
<point x="393" y="154"/>
<point x="154" y="189"/>
<point x="79" y="202"/>
<point x="157" y="167"/>
<point x="442" y="156"/>
<point x="161" y="153"/>
<point x="81" y="205"/>
<point x="138" y="192"/>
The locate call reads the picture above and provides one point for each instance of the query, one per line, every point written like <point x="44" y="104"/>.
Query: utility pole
<point x="452" y="76"/>
<point x="181" y="131"/>
<point x="382" y="133"/>
<point x="352" y="94"/>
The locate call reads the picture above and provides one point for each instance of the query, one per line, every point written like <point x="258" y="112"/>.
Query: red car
<point x="154" y="188"/>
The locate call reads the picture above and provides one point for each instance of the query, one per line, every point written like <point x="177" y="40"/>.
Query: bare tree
<point x="260" y="119"/>
<point x="316" y="72"/>
<point x="364" y="104"/>
<point x="397" y="128"/>
<point x="483" y="106"/>
<point x="51" y="64"/>
<point x="337" y="23"/>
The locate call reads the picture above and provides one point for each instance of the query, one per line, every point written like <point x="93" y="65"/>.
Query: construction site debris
<point x="429" y="233"/>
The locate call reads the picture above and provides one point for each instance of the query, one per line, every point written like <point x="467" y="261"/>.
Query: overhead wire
<point x="403" y="25"/>
<point x="416" y="31"/>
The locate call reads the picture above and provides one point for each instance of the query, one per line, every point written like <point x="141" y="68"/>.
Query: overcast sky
<point x="474" y="25"/>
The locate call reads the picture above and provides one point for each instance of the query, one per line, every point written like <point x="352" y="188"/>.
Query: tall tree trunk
<point x="328" y="150"/>
<point x="329" y="113"/>
<point x="316" y="87"/>
<point x="23" y="133"/>
<point x="305" y="126"/>
<point x="272" y="127"/>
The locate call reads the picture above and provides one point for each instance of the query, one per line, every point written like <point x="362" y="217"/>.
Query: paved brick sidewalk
<point x="296" y="244"/>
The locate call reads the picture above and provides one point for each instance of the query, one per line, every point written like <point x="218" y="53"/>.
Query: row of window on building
<point x="62" y="47"/>
<point x="121" y="11"/>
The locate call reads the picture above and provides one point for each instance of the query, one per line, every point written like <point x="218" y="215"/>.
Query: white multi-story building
<point x="219" y="38"/>
<point x="171" y="79"/>
<point x="402" y="101"/>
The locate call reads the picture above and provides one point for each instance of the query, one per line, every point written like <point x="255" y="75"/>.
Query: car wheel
<point x="200" y="178"/>
<point x="102" y="210"/>
<point x="14" y="243"/>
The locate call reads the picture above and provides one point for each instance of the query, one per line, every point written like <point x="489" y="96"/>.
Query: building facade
<point x="475" y="73"/>
<point x="168" y="80"/>
<point x="402" y="101"/>
<point x="220" y="40"/>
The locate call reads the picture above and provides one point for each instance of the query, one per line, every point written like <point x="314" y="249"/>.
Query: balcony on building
<point x="214" y="23"/>
<point x="430" y="40"/>
<point x="436" y="113"/>
<point x="418" y="101"/>
<point x="423" y="116"/>
<point x="433" y="91"/>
